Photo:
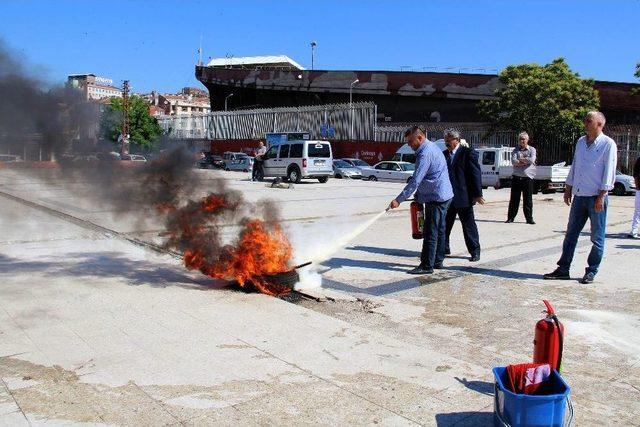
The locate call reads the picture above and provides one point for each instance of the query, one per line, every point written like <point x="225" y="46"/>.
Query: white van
<point x="406" y="153"/>
<point x="294" y="158"/>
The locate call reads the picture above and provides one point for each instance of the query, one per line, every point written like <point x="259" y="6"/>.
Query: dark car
<point x="210" y="161"/>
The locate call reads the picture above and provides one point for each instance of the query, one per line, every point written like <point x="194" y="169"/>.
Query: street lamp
<point x="226" y="99"/>
<point x="353" y="83"/>
<point x="313" y="54"/>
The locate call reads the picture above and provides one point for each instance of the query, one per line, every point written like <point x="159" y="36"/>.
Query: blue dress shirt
<point x="430" y="179"/>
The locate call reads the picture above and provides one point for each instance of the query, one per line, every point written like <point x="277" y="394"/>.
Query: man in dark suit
<point x="466" y="180"/>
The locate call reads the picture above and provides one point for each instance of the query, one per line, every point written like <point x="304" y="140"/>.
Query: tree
<point x="548" y="102"/>
<point x="143" y="128"/>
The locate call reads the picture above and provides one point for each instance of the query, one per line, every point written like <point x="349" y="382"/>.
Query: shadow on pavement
<point x="109" y="264"/>
<point x="465" y="419"/>
<point x="628" y="246"/>
<point x="482" y="387"/>
<point x="496" y="272"/>
<point x="386" y="251"/>
<point x="376" y="265"/>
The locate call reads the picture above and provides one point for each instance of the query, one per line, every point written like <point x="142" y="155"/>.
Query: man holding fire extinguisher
<point x="431" y="185"/>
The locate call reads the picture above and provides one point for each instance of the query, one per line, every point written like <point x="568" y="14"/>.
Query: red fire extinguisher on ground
<point x="549" y="339"/>
<point x="417" y="220"/>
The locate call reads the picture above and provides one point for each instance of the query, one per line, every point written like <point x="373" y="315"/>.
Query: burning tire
<point x="286" y="278"/>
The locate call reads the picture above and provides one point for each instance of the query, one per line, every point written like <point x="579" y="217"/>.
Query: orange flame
<point x="262" y="249"/>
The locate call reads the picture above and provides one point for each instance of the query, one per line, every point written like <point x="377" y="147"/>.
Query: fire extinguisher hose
<point x="560" y="340"/>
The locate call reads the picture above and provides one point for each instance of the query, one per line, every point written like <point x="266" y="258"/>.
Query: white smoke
<point x="319" y="241"/>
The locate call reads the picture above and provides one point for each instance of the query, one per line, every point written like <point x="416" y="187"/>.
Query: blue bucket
<point x="526" y="410"/>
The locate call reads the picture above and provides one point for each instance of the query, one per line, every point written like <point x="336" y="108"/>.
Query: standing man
<point x="523" y="159"/>
<point x="257" y="160"/>
<point x="466" y="180"/>
<point x="591" y="177"/>
<point x="431" y="184"/>
<point x="636" y="214"/>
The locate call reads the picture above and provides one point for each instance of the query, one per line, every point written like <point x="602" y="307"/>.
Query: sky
<point x="154" y="43"/>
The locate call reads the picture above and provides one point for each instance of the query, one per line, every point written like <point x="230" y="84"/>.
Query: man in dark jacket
<point x="466" y="180"/>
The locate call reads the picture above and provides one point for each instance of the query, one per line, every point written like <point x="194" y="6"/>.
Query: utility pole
<point x="353" y="83"/>
<point x="313" y="54"/>
<point x="125" y="122"/>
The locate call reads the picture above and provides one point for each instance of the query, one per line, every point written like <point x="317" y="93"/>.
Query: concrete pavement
<point x="97" y="330"/>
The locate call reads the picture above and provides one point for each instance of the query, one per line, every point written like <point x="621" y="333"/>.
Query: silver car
<point x="244" y="164"/>
<point x="391" y="171"/>
<point x="360" y="164"/>
<point x="342" y="169"/>
<point x="625" y="184"/>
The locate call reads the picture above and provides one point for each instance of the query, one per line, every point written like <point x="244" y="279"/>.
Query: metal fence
<point x="355" y="121"/>
<point x="549" y="150"/>
<point x="358" y="122"/>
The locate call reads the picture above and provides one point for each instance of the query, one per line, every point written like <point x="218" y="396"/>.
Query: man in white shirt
<point x="592" y="176"/>
<point x="257" y="160"/>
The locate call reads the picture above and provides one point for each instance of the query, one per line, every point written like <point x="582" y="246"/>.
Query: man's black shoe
<point x="438" y="266"/>
<point x="532" y="222"/>
<point x="421" y="269"/>
<point x="588" y="278"/>
<point x="509" y="221"/>
<point x="557" y="274"/>
<point x="474" y="258"/>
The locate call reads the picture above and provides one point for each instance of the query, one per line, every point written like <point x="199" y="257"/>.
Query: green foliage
<point x="143" y="128"/>
<point x="545" y="101"/>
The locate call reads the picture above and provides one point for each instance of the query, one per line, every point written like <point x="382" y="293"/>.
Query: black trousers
<point x="257" y="164"/>
<point x="469" y="228"/>
<point x="525" y="186"/>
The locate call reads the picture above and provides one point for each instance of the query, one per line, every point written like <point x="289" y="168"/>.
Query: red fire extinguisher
<point x="417" y="220"/>
<point x="548" y="342"/>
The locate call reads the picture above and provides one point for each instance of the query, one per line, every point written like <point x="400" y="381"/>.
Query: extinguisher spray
<point x="417" y="220"/>
<point x="549" y="339"/>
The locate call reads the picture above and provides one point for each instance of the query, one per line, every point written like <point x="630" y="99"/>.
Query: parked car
<point x="9" y="158"/>
<point x="133" y="157"/>
<point x="243" y="164"/>
<point x="391" y="171"/>
<point x="342" y="169"/>
<point x="295" y="158"/>
<point x="210" y="161"/>
<point x="625" y="184"/>
<point x="108" y="156"/>
<point x="233" y="155"/>
<point x="360" y="164"/>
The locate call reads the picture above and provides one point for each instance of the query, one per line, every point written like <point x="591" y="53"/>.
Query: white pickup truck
<point x="496" y="167"/>
<point x="495" y="163"/>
